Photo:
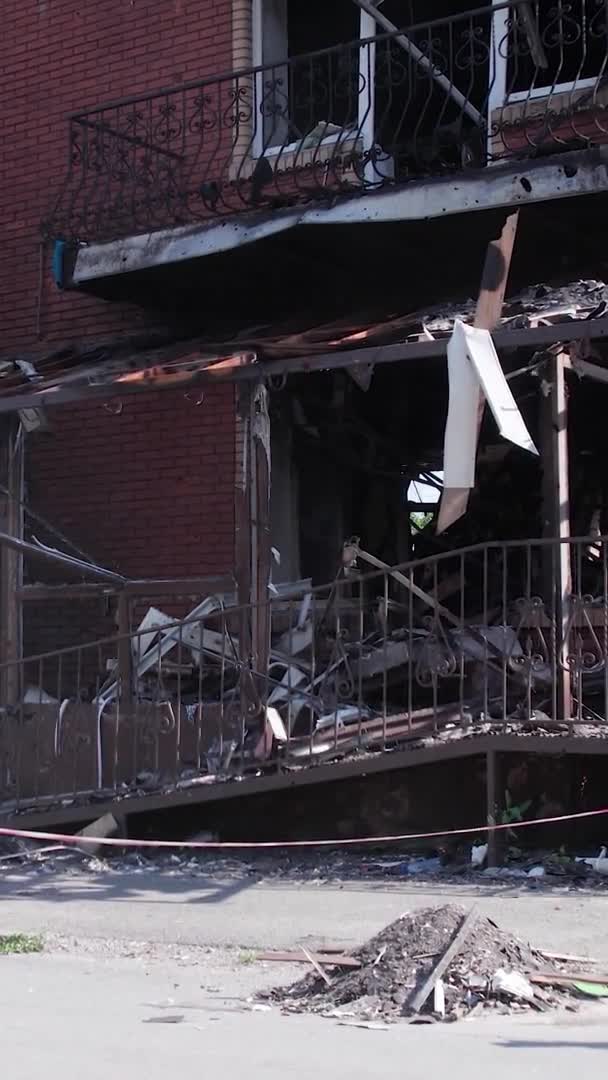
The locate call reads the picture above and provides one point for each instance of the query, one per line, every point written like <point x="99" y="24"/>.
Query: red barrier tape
<point x="28" y="834"/>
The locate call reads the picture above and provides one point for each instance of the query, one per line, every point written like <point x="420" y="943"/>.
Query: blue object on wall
<point x="58" y="263"/>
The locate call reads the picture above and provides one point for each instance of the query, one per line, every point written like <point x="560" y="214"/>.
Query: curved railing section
<point x="517" y="80"/>
<point x="492" y="639"/>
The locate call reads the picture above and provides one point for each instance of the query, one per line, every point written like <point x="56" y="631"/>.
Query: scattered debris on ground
<point x="535" y="870"/>
<point x="440" y="963"/>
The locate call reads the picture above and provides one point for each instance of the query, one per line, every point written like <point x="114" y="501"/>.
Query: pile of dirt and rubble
<point x="488" y="970"/>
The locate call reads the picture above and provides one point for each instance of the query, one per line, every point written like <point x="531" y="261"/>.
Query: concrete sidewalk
<point x="69" y="1016"/>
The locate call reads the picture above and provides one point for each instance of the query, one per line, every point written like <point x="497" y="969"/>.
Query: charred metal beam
<point x="525" y="338"/>
<point x="49" y="555"/>
<point x="138" y="587"/>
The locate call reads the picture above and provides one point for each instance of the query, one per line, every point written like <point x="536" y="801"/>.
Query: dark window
<point x="312" y="93"/>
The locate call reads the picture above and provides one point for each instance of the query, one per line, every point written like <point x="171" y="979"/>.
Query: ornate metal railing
<point x="490" y="639"/>
<point x="523" y="78"/>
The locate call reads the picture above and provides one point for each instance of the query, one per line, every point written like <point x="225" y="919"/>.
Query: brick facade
<point x="149" y="490"/>
<point x="143" y="490"/>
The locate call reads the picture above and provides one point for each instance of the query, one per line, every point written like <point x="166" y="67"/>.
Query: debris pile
<point x="437" y="963"/>
<point x="374" y="661"/>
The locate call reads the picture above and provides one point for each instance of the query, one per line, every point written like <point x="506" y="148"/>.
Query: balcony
<point x="508" y="81"/>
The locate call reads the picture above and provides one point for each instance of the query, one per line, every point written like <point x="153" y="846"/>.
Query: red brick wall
<point x="151" y="490"/>
<point x="57" y="56"/>
<point x="148" y="491"/>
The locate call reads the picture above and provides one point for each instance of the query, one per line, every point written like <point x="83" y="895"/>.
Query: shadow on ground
<point x="67" y="881"/>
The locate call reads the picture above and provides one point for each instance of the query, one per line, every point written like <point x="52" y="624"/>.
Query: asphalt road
<point x="165" y="908"/>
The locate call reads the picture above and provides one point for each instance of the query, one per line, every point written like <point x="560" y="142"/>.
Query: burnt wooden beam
<point x="531" y="337"/>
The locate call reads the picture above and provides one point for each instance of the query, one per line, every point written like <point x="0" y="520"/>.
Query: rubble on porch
<point x="373" y="663"/>
<point x="446" y="640"/>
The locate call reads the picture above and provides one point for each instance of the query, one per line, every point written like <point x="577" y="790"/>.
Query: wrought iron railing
<point x="524" y="78"/>
<point x="495" y="638"/>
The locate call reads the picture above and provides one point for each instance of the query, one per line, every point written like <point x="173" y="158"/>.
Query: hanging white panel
<point x="484" y="360"/>
<point x="460" y="442"/>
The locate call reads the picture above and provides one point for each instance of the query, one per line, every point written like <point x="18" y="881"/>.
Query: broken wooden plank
<point x="495" y="274"/>
<point x="353" y="551"/>
<point x="551" y="978"/>
<point x="566" y="958"/>
<point x="457" y="943"/>
<point x="329" y="958"/>
<point x="420" y="594"/>
<point x="316" y="965"/>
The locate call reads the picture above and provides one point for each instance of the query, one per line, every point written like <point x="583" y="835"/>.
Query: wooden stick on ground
<point x="548" y="978"/>
<point x="316" y="965"/>
<point x="566" y="958"/>
<point x="444" y="962"/>
<point x="335" y="959"/>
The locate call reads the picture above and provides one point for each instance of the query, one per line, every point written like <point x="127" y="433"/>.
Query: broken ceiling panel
<point x="160" y="360"/>
<point x="473" y="369"/>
